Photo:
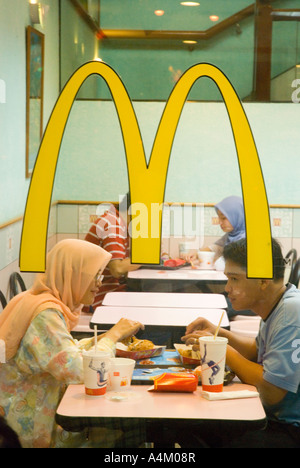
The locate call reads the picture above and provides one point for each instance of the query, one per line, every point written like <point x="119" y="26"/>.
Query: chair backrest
<point x="290" y="260"/>
<point x="15" y="283"/>
<point x="3" y="300"/>
<point x="295" y="277"/>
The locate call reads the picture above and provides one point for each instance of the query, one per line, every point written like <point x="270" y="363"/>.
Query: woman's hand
<point x="123" y="329"/>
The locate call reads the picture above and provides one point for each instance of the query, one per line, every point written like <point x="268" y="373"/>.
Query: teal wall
<point x="14" y="18"/>
<point x="92" y="165"/>
<point x="203" y="165"/>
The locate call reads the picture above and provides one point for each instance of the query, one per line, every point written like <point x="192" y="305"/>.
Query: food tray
<point x="166" y="359"/>
<point x="146" y="376"/>
<point x="161" y="266"/>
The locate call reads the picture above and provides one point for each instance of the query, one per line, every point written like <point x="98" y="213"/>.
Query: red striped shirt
<point x="109" y="232"/>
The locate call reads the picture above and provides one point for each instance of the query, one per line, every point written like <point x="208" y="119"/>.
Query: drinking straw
<point x="95" y="336"/>
<point x="218" y="327"/>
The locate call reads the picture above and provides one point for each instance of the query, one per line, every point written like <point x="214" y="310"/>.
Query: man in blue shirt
<point x="271" y="362"/>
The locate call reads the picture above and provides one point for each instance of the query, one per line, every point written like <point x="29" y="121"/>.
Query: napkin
<point x="2" y="351"/>
<point x="229" y="395"/>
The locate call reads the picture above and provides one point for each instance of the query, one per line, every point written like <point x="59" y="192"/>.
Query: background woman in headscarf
<point x="231" y="216"/>
<point x="41" y="355"/>
<point x="232" y="221"/>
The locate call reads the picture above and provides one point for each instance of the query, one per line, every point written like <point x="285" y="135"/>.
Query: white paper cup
<point x="184" y="249"/>
<point x="95" y="369"/>
<point x="120" y="374"/>
<point x="213" y="356"/>
<point x="206" y="259"/>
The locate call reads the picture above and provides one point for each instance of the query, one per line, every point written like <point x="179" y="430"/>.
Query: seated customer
<point x="271" y="362"/>
<point x="231" y="216"/>
<point x="110" y="232"/>
<point x="41" y="355"/>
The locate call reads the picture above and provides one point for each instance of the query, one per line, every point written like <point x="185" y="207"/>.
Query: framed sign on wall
<point x="34" y="95"/>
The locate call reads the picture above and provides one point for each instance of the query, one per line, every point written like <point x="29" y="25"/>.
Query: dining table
<point x="180" y="279"/>
<point x="163" y="412"/>
<point x="162" y="299"/>
<point x="107" y="316"/>
<point x="165" y="316"/>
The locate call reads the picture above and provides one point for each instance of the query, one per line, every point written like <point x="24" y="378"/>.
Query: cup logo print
<point x="147" y="181"/>
<point x="101" y="371"/>
<point x="211" y="365"/>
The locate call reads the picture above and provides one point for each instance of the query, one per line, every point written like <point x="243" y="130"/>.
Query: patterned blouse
<point x="33" y="381"/>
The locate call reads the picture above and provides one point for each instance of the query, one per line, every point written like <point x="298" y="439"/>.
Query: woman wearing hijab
<point x="41" y="355"/>
<point x="232" y="221"/>
<point x="231" y="216"/>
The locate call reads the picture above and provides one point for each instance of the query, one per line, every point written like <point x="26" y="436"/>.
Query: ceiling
<point x="167" y="14"/>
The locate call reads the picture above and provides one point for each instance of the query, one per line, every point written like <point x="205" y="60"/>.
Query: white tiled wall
<point x="74" y="220"/>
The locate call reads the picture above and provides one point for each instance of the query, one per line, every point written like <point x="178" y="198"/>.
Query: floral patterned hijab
<point x="71" y="266"/>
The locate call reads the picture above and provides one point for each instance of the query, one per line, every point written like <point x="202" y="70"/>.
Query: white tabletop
<point x="156" y="316"/>
<point x="165" y="405"/>
<point x="162" y="299"/>
<point x="180" y="274"/>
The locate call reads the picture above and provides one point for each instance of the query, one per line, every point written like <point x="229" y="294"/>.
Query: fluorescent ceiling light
<point x="190" y="3"/>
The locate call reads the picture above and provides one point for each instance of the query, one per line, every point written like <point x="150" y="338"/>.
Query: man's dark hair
<point x="237" y="253"/>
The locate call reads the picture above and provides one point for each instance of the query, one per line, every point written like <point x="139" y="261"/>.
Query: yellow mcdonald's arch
<point x="147" y="182"/>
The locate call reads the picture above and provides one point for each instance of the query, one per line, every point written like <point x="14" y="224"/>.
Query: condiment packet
<point x="167" y="382"/>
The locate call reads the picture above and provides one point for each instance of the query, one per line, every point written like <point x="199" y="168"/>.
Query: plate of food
<point x="136" y="349"/>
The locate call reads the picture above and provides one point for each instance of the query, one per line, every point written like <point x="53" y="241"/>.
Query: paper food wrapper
<point x="122" y="351"/>
<point x="187" y="355"/>
<point x="175" y="383"/>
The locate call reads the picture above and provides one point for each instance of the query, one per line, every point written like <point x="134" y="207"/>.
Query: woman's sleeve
<point x="49" y="347"/>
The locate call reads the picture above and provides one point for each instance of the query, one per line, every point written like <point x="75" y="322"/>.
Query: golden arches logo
<point x="147" y="182"/>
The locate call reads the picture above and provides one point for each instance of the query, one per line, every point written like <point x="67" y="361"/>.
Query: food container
<point x="187" y="355"/>
<point x="122" y="351"/>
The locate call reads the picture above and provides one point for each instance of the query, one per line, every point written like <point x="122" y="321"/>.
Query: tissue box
<point x="175" y="383"/>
